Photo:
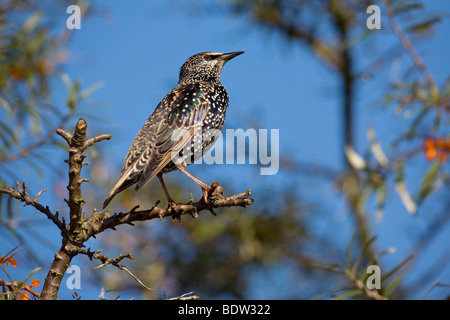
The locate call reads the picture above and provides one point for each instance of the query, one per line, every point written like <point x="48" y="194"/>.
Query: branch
<point x="77" y="144"/>
<point x="89" y="142"/>
<point x="99" y="221"/>
<point x="75" y="238"/>
<point x="185" y="296"/>
<point x="22" y="195"/>
<point x="411" y="51"/>
<point x="104" y="258"/>
<point x="107" y="260"/>
<point x="81" y="229"/>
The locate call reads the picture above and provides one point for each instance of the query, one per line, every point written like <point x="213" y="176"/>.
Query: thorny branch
<point x="82" y="228"/>
<point x="101" y="221"/>
<point x="22" y="195"/>
<point x="115" y="262"/>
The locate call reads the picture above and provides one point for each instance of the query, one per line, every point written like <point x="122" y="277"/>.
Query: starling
<point x="182" y="121"/>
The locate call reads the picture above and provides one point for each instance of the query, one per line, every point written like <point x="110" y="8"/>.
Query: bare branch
<point x="75" y="237"/>
<point x="115" y="262"/>
<point x="94" y="225"/>
<point x="66" y="135"/>
<point x="104" y="258"/>
<point x="185" y="296"/>
<point x="22" y="195"/>
<point x="80" y="228"/>
<point x="89" y="142"/>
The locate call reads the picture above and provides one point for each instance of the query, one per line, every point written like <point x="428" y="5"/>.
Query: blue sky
<point x="136" y="50"/>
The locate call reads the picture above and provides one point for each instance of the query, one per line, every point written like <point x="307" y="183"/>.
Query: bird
<point x="183" y="126"/>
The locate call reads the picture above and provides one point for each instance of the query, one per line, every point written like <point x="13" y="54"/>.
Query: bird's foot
<point x="215" y="192"/>
<point x="212" y="193"/>
<point x="172" y="206"/>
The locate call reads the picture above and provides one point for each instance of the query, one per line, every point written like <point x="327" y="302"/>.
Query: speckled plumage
<point x="197" y="104"/>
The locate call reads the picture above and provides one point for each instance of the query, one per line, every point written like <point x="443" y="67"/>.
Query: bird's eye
<point x="208" y="57"/>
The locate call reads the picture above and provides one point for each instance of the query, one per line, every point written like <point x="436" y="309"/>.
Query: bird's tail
<point x="121" y="185"/>
<point x="109" y="198"/>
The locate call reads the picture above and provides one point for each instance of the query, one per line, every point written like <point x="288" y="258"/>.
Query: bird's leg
<point x="203" y="185"/>
<point x="163" y="185"/>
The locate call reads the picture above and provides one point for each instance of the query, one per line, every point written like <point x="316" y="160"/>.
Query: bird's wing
<point x="189" y="107"/>
<point x="185" y="107"/>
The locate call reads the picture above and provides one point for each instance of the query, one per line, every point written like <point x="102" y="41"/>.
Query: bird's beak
<point x="231" y="55"/>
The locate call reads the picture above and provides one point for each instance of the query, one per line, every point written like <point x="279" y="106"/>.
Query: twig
<point x="94" y="225"/>
<point x="185" y="296"/>
<point x="89" y="142"/>
<point x="66" y="135"/>
<point x="104" y="258"/>
<point x="411" y="51"/>
<point x="437" y="284"/>
<point x="22" y="195"/>
<point x="115" y="262"/>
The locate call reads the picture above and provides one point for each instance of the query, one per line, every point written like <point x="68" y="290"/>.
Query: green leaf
<point x="348" y="294"/>
<point x="367" y="245"/>
<point x="86" y="93"/>
<point x="428" y="184"/>
<point x="391" y="286"/>
<point x="32" y="21"/>
<point x="424" y="26"/>
<point x="398" y="267"/>
<point x="404" y="7"/>
<point x="381" y="193"/>
<point x="348" y="252"/>
<point x="21" y="284"/>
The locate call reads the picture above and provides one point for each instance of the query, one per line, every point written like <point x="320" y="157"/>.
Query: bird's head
<point x="205" y="66"/>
